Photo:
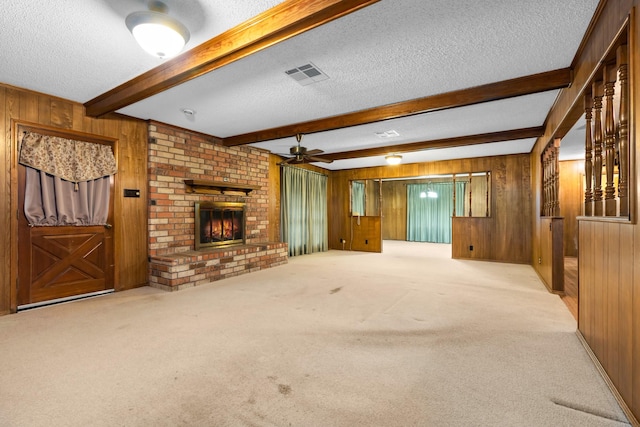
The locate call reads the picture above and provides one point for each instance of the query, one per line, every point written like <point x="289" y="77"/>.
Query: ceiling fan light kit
<point x="393" y="159"/>
<point x="156" y="32"/>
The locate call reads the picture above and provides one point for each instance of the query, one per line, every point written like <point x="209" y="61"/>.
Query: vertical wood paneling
<point x="364" y="234"/>
<point x="511" y="201"/>
<point x="130" y="233"/>
<point x="11" y="110"/>
<point x="131" y="268"/>
<point x="634" y="369"/>
<point x="612" y="292"/>
<point x="600" y="326"/>
<point x="625" y="312"/>
<point x="584" y="309"/>
<point x="469" y="232"/>
<point x="571" y="202"/>
<point x="61" y="113"/>
<point x="44" y="111"/>
<point x="29" y="107"/>
<point x="394" y="210"/>
<point x="274" y="198"/>
<point x="5" y="194"/>
<point x="609" y="301"/>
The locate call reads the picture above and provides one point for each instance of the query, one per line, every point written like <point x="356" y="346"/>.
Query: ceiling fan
<point x="301" y="154"/>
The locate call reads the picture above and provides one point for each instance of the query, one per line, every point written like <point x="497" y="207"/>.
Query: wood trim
<point x="509" y="135"/>
<point x="632" y="419"/>
<point x="21" y="126"/>
<point x="273" y="26"/>
<point x="587" y="34"/>
<point x="216" y="187"/>
<point x="576" y="110"/>
<point x="526" y="85"/>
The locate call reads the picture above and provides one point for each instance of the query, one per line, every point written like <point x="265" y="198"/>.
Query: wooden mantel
<point x="217" y="187"/>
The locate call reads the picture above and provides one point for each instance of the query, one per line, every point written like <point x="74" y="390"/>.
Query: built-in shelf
<point x="217" y="187"/>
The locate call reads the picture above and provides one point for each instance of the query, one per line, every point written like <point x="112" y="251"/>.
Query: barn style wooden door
<point x="62" y="261"/>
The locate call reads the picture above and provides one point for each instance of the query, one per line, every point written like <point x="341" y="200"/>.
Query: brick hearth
<point x="192" y="268"/>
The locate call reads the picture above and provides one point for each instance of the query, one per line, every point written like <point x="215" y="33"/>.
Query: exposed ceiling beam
<point x="508" y="135"/>
<point x="286" y="20"/>
<point x="526" y="85"/>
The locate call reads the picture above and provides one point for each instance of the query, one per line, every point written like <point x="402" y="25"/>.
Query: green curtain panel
<point x="357" y="198"/>
<point x="429" y="218"/>
<point x="304" y="211"/>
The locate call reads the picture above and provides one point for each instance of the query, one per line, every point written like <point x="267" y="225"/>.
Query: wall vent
<point x="306" y="74"/>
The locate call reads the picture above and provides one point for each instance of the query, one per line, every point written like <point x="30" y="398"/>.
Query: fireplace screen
<point x="219" y="224"/>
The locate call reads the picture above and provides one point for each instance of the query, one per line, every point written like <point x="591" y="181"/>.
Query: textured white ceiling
<point x="78" y="50"/>
<point x="392" y="51"/>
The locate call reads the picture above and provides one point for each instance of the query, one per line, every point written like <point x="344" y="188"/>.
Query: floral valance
<point x="71" y="160"/>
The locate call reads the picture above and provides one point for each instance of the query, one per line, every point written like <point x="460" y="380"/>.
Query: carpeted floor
<point x="404" y="338"/>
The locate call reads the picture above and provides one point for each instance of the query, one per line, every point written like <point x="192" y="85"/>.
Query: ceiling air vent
<point x="387" y="134"/>
<point x="306" y="74"/>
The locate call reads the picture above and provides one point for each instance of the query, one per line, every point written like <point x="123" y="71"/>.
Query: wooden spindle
<point x="470" y="210"/>
<point x="609" y="77"/>
<point x="547" y="182"/>
<point x="597" y="93"/>
<point x="623" y="130"/>
<point x="454" y="194"/>
<point x="555" y="183"/>
<point x="588" y="156"/>
<point x="487" y="195"/>
<point x="545" y="195"/>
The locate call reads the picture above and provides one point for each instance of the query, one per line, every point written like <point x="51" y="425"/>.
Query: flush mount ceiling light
<point x="393" y="159"/>
<point x="156" y="32"/>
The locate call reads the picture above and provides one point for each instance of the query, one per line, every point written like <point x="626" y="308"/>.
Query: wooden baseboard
<point x="546" y="285"/>
<point x="632" y="419"/>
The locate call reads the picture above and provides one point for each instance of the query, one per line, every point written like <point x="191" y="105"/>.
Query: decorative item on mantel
<point x="218" y="187"/>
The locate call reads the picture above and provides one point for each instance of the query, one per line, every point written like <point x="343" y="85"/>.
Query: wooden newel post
<point x="597" y="93"/>
<point x="588" y="156"/>
<point x="623" y="131"/>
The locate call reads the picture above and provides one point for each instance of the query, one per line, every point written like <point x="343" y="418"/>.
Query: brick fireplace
<point x="184" y="254"/>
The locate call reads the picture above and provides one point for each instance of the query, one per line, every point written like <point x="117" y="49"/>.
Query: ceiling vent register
<point x="306" y="74"/>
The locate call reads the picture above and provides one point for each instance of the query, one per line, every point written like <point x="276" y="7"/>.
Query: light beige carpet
<point x="404" y="338"/>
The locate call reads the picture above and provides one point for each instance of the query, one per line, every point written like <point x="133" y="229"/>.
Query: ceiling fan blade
<point x="314" y="152"/>
<point x="289" y="160"/>
<point x="318" y="159"/>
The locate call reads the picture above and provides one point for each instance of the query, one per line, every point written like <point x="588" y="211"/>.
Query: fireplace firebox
<point x="219" y="224"/>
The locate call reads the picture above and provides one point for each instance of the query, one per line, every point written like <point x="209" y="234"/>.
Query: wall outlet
<point x="539" y="260"/>
<point x="471" y="247"/>
<point x="366" y="242"/>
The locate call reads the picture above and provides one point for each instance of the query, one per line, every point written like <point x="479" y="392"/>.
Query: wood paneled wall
<point x="608" y="250"/>
<point x="394" y="206"/>
<point x="571" y="202"/>
<point x="394" y="210"/>
<point x="609" y="302"/>
<point x="509" y="227"/>
<point x="274" y="198"/>
<point x="130" y="217"/>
